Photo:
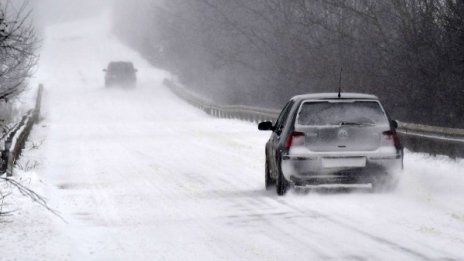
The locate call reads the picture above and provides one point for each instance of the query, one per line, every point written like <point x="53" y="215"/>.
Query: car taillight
<point x="393" y="137"/>
<point x="294" y="138"/>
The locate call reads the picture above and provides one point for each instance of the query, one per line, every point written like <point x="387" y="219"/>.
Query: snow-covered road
<point x="140" y="175"/>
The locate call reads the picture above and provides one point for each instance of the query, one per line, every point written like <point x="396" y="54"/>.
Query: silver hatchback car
<point x="328" y="138"/>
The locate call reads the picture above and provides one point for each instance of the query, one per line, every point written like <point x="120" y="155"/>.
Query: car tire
<point x="268" y="181"/>
<point x="281" y="184"/>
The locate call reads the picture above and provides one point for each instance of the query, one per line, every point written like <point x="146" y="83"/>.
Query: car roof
<point x="334" y="96"/>
<point x="120" y="63"/>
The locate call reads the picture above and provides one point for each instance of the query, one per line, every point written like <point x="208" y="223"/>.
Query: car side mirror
<point x="104" y="70"/>
<point x="394" y="124"/>
<point x="265" y="126"/>
<point x="135" y="70"/>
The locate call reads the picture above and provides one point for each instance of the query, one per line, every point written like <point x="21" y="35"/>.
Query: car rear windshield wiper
<point x="347" y="123"/>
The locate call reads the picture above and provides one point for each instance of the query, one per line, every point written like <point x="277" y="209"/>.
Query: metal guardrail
<point x="415" y="137"/>
<point x="17" y="137"/>
<point x="242" y="112"/>
<point x="432" y="140"/>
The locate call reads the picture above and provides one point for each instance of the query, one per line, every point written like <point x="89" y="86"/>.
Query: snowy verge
<point x="15" y="139"/>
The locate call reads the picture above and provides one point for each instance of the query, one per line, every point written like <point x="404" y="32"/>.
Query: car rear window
<point x="121" y="67"/>
<point x="324" y="113"/>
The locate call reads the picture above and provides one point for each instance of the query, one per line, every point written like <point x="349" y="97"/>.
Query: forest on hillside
<point x="410" y="53"/>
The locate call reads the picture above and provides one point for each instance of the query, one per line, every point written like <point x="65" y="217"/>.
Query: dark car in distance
<point x="120" y="73"/>
<point x="327" y="138"/>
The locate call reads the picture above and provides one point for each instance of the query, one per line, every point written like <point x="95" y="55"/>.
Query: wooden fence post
<point x="38" y="104"/>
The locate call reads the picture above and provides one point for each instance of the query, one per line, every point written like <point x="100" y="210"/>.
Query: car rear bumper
<point x="119" y="80"/>
<point x="343" y="169"/>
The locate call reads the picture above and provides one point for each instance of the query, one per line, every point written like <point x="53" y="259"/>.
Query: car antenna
<point x="340" y="84"/>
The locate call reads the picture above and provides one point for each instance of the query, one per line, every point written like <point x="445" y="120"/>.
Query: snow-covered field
<point x="138" y="174"/>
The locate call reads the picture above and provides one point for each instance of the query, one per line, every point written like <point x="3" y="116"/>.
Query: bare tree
<point x="18" y="44"/>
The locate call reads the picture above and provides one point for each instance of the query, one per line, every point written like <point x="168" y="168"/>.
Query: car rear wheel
<point x="281" y="184"/>
<point x="268" y="181"/>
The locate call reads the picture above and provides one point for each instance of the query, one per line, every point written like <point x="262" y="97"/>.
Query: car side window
<point x="283" y="116"/>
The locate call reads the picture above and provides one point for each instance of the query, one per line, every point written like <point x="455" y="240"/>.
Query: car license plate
<point x="349" y="162"/>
